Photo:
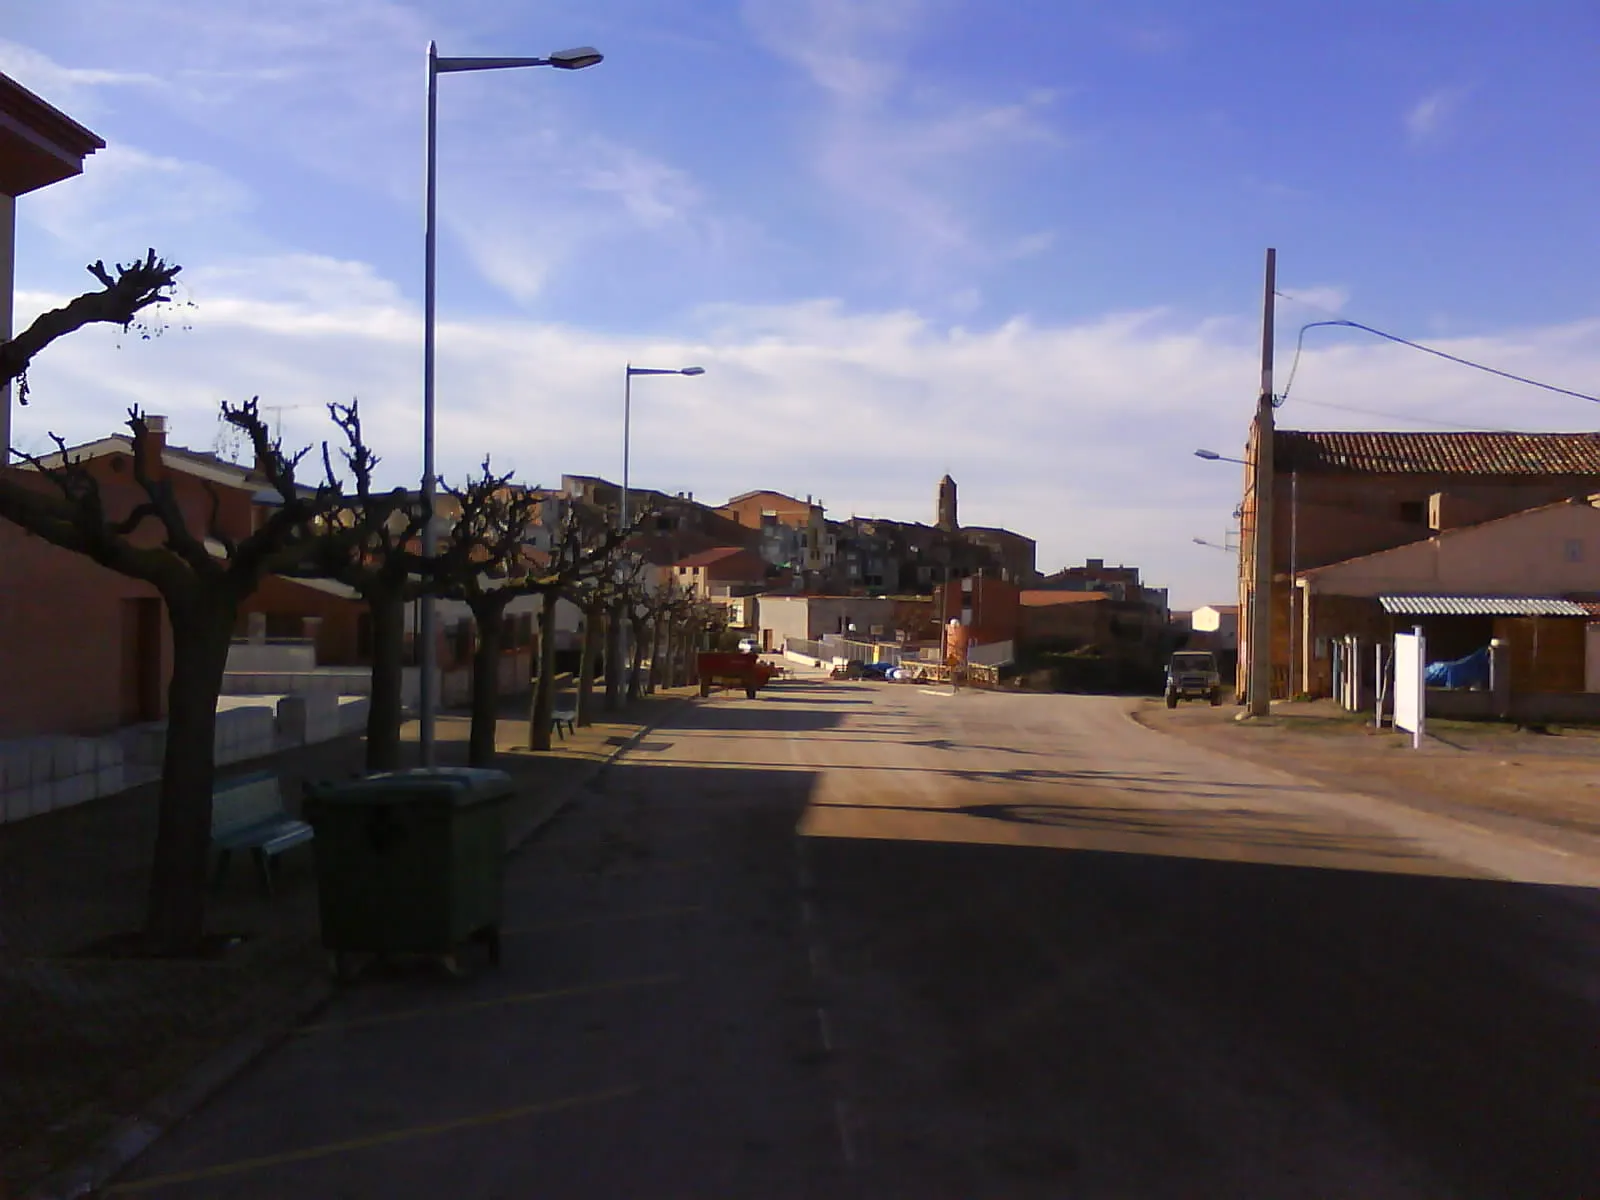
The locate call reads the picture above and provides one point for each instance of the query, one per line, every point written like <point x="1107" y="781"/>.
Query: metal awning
<point x="1481" y="606"/>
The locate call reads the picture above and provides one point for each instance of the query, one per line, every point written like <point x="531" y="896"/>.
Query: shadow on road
<point x="1031" y="1019"/>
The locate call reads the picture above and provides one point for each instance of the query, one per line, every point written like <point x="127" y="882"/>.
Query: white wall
<point x="1546" y="552"/>
<point x="275" y="657"/>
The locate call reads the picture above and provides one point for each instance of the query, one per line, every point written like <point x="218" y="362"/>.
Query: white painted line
<point x="927" y="692"/>
<point x="842" y="1120"/>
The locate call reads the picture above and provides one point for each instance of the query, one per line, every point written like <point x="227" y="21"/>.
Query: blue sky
<point x="1018" y="242"/>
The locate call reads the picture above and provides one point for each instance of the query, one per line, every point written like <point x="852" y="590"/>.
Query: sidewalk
<point x="652" y="1029"/>
<point x="1541" y="786"/>
<point x="89" y="1043"/>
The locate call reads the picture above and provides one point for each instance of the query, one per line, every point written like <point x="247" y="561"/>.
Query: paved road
<point x="1022" y="947"/>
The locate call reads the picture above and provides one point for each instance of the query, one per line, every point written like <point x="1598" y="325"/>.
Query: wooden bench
<point x="247" y="813"/>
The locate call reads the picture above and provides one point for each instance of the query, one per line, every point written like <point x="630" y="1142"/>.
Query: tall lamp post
<point x="618" y="648"/>
<point x="627" y="416"/>
<point x="565" y="60"/>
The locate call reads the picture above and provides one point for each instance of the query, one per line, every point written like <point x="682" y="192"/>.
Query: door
<point x="141" y="660"/>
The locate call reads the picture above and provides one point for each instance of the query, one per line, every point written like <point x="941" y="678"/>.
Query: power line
<point x="1465" y="362"/>
<point x="1375" y="412"/>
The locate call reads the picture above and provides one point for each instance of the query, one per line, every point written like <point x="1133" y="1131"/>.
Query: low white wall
<point x="38" y="775"/>
<point x="245" y="732"/>
<point x="44" y="773"/>
<point x="276" y="657"/>
<point x="333" y="681"/>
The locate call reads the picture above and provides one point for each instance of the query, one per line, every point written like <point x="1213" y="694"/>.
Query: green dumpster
<point x="410" y="862"/>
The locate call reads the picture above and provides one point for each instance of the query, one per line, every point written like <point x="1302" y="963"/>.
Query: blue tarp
<point x="1471" y="671"/>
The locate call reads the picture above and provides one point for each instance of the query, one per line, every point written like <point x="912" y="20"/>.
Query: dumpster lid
<point x="460" y="786"/>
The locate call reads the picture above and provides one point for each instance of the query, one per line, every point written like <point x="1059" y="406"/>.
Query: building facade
<point x="1342" y="495"/>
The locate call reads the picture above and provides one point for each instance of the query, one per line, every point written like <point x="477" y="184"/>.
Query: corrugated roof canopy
<point x="1480" y="606"/>
<point x="1437" y="453"/>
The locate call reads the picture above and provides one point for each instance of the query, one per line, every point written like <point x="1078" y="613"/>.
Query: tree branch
<point x="135" y="287"/>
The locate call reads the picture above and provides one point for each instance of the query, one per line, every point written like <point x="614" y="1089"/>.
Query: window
<point x="1413" y="512"/>
<point x="1574" y="550"/>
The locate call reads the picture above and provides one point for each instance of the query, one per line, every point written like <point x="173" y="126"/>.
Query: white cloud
<point x="1079" y="435"/>
<point x="128" y="199"/>
<point x="843" y="45"/>
<point x="1427" y="119"/>
<point x="892" y="145"/>
<point x="74" y="90"/>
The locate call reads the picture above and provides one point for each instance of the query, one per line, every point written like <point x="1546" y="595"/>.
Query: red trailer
<point x="726" y="669"/>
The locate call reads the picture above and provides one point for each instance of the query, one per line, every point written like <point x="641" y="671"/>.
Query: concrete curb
<point x="132" y="1136"/>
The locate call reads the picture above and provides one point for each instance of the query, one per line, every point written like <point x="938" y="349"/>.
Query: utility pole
<point x="1259" y="691"/>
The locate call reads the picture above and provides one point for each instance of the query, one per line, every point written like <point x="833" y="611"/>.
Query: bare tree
<point x="485" y="563"/>
<point x="583" y="549"/>
<point x="371" y="543"/>
<point x="592" y="594"/>
<point x="124" y="294"/>
<point x="203" y="576"/>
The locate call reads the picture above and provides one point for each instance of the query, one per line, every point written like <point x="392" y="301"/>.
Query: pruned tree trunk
<point x="593" y="630"/>
<point x="490" y="619"/>
<point x="654" y="678"/>
<point x="636" y="674"/>
<point x="202" y="628"/>
<point x="388" y="673"/>
<point x="613" y="699"/>
<point x="543" y="703"/>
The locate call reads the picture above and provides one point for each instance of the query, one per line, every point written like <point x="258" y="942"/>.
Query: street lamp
<point x="1213" y="545"/>
<point x="619" y="643"/>
<point x="565" y="60"/>
<point x="1213" y="456"/>
<point x="627" y="413"/>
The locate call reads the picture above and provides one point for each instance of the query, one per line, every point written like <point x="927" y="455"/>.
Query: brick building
<point x="1341" y="495"/>
<point x="94" y="646"/>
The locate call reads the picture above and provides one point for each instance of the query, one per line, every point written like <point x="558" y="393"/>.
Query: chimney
<point x="1094" y="564"/>
<point x="147" y="451"/>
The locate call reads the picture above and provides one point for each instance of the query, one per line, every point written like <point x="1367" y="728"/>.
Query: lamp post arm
<point x="488" y="64"/>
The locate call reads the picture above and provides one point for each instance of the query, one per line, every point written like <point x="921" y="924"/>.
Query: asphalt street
<point x="855" y="939"/>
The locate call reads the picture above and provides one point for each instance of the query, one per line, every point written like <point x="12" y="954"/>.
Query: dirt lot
<point x="1540" y="785"/>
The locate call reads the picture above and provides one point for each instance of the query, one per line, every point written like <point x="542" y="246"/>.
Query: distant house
<point x="721" y="572"/>
<point x="1066" y="617"/>
<point x="808" y="618"/>
<point x="1215" y="627"/>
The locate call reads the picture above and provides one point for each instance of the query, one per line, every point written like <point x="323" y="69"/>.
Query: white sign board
<point x="1410" y="702"/>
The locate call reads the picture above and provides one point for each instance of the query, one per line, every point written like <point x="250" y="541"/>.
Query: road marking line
<point x="330" y="1149"/>
<point x="846" y="1145"/>
<point x="584" y="989"/>
<point x="575" y="922"/>
<point x="928" y="692"/>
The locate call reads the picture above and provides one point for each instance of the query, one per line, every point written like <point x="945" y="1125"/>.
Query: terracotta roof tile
<point x="1438" y="453"/>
